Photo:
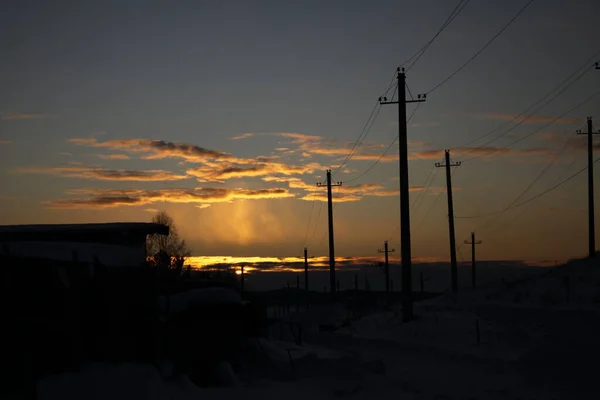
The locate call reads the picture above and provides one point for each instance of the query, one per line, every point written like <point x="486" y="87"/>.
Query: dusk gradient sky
<point x="226" y="114"/>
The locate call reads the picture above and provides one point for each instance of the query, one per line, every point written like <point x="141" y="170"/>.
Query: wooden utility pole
<point x="473" y="242"/>
<point x="405" y="250"/>
<point x="387" y="265"/>
<point x="454" y="268"/>
<point x="306" y="269"/>
<point x="331" y="243"/>
<point x="242" y="280"/>
<point x="590" y="155"/>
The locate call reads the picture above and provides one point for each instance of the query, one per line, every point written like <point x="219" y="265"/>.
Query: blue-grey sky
<point x="81" y="80"/>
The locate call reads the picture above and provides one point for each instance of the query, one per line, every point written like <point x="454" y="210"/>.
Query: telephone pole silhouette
<point x="387" y="265"/>
<point x="331" y="243"/>
<point x="590" y="156"/>
<point x="306" y="269"/>
<point x="473" y="242"/>
<point x="454" y="268"/>
<point x="242" y="280"/>
<point x="405" y="250"/>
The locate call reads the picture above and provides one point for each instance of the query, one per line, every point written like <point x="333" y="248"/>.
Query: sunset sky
<point x="226" y="114"/>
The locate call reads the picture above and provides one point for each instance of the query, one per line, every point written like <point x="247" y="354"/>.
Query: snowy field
<point x="534" y="339"/>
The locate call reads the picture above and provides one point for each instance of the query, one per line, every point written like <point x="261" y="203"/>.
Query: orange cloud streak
<point x="157" y="149"/>
<point x="99" y="198"/>
<point x="114" y="156"/>
<point x="219" y="172"/>
<point x="103" y="174"/>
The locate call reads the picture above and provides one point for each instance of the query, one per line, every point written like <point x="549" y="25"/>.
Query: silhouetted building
<point x="76" y="293"/>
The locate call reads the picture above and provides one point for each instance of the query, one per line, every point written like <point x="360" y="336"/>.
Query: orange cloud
<point x="342" y="198"/>
<point x="219" y="172"/>
<point x="343" y="193"/>
<point x="100" y="198"/>
<point x="375" y="157"/>
<point x="114" y="156"/>
<point x="328" y="151"/>
<point x="103" y="174"/>
<point x="298" y="138"/>
<point x="426" y="154"/>
<point x="3" y="142"/>
<point x="311" y="144"/>
<point x="243" y="136"/>
<point x="533" y="118"/>
<point x="156" y="149"/>
<point x="17" y="115"/>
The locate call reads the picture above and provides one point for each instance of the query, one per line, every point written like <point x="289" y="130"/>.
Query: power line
<point x="432" y="206"/>
<point x="450" y="18"/>
<point x="420" y="196"/>
<point x="483" y="48"/>
<point x="521" y="114"/>
<point x="532" y="198"/>
<point x="318" y="217"/>
<point x="493" y="220"/>
<point x="366" y="128"/>
<point x="384" y="153"/>
<point x="523" y="120"/>
<point x="374" y="111"/>
<point x="523" y="210"/>
<point x="310" y="217"/>
<point x="540" y="128"/>
<point x="543" y="171"/>
<point x="429" y="211"/>
<point x="432" y="174"/>
<point x="409" y="92"/>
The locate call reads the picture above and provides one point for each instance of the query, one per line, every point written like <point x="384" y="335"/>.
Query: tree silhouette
<point x="168" y="252"/>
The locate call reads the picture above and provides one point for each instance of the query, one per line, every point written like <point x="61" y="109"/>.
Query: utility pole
<point x="473" y="242"/>
<point x="242" y="280"/>
<point x="405" y="250"/>
<point x="387" y="265"/>
<point x="454" y="268"/>
<point x="590" y="155"/>
<point x="331" y="244"/>
<point x="306" y="269"/>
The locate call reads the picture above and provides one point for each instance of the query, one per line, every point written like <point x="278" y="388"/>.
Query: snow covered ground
<point x="537" y="346"/>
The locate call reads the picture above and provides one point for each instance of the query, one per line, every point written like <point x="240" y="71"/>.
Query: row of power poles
<point x="405" y="237"/>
